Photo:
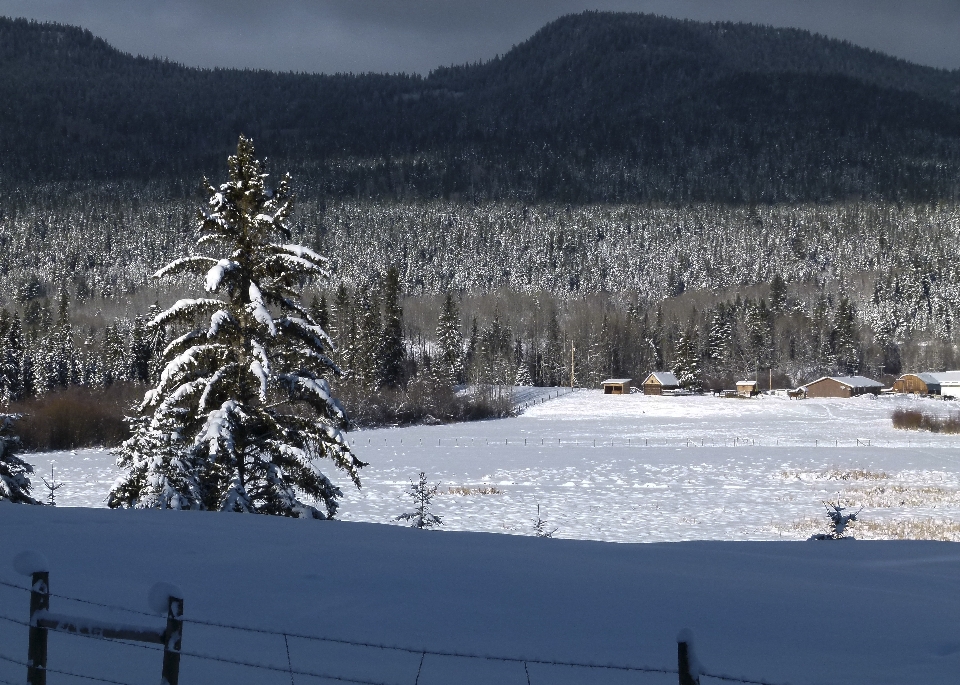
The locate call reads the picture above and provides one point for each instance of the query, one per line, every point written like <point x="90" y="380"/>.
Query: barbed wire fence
<point x="685" y="671"/>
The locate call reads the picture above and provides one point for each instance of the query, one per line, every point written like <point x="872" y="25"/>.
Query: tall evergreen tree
<point x="392" y="352"/>
<point x="243" y="392"/>
<point x="448" y="361"/>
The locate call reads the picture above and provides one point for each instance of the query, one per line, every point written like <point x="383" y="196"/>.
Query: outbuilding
<point x="747" y="388"/>
<point x="918" y="383"/>
<point x="616" y="386"/>
<point x="842" y="386"/>
<point x="949" y="383"/>
<point x="658" y="381"/>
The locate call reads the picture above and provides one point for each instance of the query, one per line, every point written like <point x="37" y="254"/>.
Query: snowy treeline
<point x="859" y="285"/>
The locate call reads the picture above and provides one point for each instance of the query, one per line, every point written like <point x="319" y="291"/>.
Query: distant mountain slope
<point x="594" y="107"/>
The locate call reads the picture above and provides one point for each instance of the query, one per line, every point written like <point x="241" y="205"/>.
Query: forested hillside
<point x="717" y="199"/>
<point x="596" y="107"/>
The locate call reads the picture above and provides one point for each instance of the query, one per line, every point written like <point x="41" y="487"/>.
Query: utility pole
<point x="571" y="365"/>
<point x="770" y="384"/>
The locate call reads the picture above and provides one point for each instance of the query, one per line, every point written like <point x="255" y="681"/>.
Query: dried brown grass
<point x="913" y="419"/>
<point x="465" y="491"/>
<point x="76" y="417"/>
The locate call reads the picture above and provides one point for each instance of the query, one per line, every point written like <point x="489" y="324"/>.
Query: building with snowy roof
<point x="842" y="386"/>
<point x="747" y="388"/>
<point x="616" y="386"/>
<point x="949" y="383"/>
<point x="944" y="383"/>
<point x="918" y="383"/>
<point x="658" y="381"/>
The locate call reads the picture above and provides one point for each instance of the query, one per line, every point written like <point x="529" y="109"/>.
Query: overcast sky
<point x="418" y="35"/>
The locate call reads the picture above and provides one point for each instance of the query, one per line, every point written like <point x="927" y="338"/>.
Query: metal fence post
<point x="172" y="638"/>
<point x="37" y="646"/>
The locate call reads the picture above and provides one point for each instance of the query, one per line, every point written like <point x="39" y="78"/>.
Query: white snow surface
<point x="807" y="613"/>
<point x="855" y="612"/>
<point x="663" y="468"/>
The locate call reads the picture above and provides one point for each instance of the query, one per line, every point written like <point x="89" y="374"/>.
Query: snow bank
<point x="804" y="613"/>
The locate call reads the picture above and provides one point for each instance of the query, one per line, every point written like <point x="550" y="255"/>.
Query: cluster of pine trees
<point x="47" y="354"/>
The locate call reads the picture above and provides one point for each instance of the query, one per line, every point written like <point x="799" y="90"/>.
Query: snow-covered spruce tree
<point x="14" y="480"/>
<point x="448" y="362"/>
<point x="242" y="413"/>
<point x="422" y="494"/>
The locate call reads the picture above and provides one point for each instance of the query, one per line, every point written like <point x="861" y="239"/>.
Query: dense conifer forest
<point x="626" y="191"/>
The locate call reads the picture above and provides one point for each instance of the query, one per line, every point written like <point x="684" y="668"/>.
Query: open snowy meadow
<point x="407" y="606"/>
<point x="647" y="469"/>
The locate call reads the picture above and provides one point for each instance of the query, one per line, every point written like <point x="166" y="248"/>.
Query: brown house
<point x="658" y="381"/>
<point x="616" y="386"/>
<point x="842" y="386"/>
<point x="747" y="388"/>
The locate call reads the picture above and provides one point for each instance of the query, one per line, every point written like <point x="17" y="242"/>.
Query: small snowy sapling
<point x="838" y="521"/>
<point x="52" y="486"/>
<point x="421" y="493"/>
<point x="540" y="526"/>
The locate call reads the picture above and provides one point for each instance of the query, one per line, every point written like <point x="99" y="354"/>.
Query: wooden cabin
<point x="747" y="388"/>
<point x="616" y="386"/>
<point x="842" y="386"/>
<point x="658" y="381"/>
<point x="918" y="383"/>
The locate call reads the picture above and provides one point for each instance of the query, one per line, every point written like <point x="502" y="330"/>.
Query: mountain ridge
<point x="594" y="107"/>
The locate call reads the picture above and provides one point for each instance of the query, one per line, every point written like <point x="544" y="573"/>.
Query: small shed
<point x="616" y="386"/>
<point x="842" y="386"/>
<point x="919" y="383"/>
<point x="747" y="388"/>
<point x="658" y="381"/>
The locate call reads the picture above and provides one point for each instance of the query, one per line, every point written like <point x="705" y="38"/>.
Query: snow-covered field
<point x="644" y="469"/>
<point x="626" y="469"/>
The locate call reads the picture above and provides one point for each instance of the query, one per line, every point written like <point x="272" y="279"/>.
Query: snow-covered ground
<point x="824" y="613"/>
<point x="644" y="469"/>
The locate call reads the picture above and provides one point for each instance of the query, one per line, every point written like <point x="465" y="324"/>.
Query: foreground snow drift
<point x="835" y="612"/>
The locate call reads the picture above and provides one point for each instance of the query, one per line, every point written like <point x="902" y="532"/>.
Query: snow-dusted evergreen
<point x="422" y="493"/>
<point x="242" y="414"/>
<point x="14" y="471"/>
<point x="448" y="363"/>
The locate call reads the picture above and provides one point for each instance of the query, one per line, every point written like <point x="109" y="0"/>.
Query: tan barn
<point x="919" y="383"/>
<point x="658" y="381"/>
<point x="616" y="386"/>
<point x="747" y="388"/>
<point x="842" y="386"/>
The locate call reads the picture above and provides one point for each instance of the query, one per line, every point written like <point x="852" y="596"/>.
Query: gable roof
<point x="850" y="381"/>
<point x="663" y="378"/>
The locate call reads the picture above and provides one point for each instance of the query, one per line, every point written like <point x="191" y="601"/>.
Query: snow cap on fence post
<point x="159" y="597"/>
<point x="687" y="664"/>
<point x="29" y="562"/>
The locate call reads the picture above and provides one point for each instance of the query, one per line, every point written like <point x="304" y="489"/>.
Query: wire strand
<point x="280" y="669"/>
<point x="66" y="673"/>
<point x="410" y="650"/>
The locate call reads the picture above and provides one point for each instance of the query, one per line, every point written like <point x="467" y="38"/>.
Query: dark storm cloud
<point x="418" y="35"/>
